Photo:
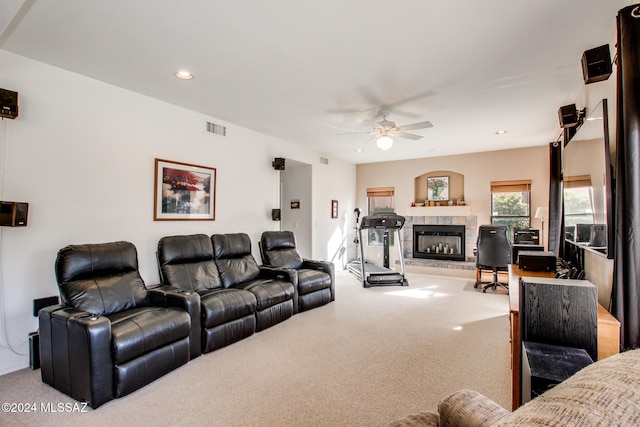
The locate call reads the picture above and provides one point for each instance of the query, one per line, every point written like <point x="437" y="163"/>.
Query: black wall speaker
<point x="13" y="214"/>
<point x="275" y="214"/>
<point x="278" y="164"/>
<point x="596" y="64"/>
<point x="568" y="116"/>
<point x="8" y="104"/>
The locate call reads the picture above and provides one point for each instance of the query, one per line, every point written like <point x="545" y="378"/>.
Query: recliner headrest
<point x="97" y="259"/>
<point x="277" y="240"/>
<point x="185" y="248"/>
<point x="232" y="245"/>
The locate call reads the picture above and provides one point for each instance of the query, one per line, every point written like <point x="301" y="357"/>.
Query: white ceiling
<point x="303" y="71"/>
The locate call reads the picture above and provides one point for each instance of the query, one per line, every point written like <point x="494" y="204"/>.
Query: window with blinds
<point x="379" y="200"/>
<point x="578" y="200"/>
<point x="511" y="203"/>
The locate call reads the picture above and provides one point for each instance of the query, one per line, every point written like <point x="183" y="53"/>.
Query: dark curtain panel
<point x="626" y="282"/>
<point x="556" y="224"/>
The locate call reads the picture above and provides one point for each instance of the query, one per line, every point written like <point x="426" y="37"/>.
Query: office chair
<point x="493" y="252"/>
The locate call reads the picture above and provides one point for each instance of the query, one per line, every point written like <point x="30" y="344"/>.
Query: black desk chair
<point x="493" y="252"/>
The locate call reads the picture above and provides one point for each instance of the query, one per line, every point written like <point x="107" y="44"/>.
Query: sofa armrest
<point x="325" y="266"/>
<point x="468" y="408"/>
<point x="169" y="296"/>
<point x="75" y="353"/>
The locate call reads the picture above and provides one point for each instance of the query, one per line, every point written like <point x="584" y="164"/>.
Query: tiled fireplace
<point x="439" y="241"/>
<point x="462" y="245"/>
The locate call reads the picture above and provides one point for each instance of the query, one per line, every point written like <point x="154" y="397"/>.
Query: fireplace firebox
<point x="446" y="242"/>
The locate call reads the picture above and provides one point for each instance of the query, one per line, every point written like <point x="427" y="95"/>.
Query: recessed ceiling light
<point x="501" y="132"/>
<point x="185" y="75"/>
<point x="359" y="150"/>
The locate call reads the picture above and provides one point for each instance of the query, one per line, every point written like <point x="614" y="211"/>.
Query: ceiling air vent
<point x="218" y="129"/>
<point x="324" y="160"/>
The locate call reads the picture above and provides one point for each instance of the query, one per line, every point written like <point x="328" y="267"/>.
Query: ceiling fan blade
<point x="352" y="133"/>
<point x="414" y="126"/>
<point x="408" y="135"/>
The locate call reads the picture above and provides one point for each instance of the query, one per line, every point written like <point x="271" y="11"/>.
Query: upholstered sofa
<point x="236" y="296"/>
<point x="108" y="338"/>
<point x="606" y="393"/>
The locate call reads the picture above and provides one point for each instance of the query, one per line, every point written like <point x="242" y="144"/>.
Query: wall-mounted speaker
<point x="596" y="64"/>
<point x="278" y="164"/>
<point x="568" y="116"/>
<point x="275" y="214"/>
<point x="14" y="214"/>
<point x="8" y="104"/>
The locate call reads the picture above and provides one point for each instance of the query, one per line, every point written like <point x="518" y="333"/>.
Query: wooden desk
<point x="608" y="329"/>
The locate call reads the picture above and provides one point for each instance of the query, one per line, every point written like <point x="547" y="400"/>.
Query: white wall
<point x="82" y="154"/>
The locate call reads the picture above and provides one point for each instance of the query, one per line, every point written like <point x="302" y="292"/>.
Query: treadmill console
<point x="389" y="221"/>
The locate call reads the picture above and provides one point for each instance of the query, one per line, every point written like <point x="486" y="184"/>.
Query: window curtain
<point x="556" y="223"/>
<point x="626" y="281"/>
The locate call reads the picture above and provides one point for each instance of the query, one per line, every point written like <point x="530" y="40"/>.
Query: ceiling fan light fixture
<point x="384" y="142"/>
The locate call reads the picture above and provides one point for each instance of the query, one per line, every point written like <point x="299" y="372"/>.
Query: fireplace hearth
<point x="444" y="242"/>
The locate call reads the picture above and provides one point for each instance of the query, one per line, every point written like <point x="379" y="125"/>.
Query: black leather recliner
<point x="316" y="279"/>
<point x="227" y="315"/>
<point x="274" y="288"/>
<point x="106" y="339"/>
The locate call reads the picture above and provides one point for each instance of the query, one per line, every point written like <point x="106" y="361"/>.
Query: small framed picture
<point x="334" y="209"/>
<point x="438" y="188"/>
<point x="295" y="204"/>
<point x="184" y="191"/>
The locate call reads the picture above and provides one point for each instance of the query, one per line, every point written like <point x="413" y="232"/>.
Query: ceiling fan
<point x="385" y="130"/>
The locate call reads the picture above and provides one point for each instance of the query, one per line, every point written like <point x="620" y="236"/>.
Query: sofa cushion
<point x="140" y="331"/>
<point x="269" y="292"/>
<point x="225" y="305"/>
<point x="186" y="262"/>
<point x="100" y="278"/>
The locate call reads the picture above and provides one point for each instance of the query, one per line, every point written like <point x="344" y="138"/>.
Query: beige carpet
<point x="370" y="357"/>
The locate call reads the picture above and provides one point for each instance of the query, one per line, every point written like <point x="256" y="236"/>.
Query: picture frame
<point x="438" y="188"/>
<point x="295" y="204"/>
<point x="334" y="209"/>
<point x="184" y="191"/>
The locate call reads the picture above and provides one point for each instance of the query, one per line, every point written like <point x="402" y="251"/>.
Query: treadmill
<point x="374" y="275"/>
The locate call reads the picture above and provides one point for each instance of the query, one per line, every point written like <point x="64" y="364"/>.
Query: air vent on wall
<point x="218" y="129"/>
<point x="324" y="160"/>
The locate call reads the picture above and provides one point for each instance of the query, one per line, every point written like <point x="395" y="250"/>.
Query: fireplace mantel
<point x="435" y="211"/>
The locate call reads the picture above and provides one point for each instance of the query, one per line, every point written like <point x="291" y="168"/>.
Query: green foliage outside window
<point x="511" y="209"/>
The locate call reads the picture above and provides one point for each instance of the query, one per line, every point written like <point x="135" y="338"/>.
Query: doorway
<point x="296" y="204"/>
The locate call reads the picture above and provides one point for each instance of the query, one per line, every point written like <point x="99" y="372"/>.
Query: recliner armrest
<point x="75" y="353"/>
<point x="189" y="301"/>
<point x="325" y="266"/>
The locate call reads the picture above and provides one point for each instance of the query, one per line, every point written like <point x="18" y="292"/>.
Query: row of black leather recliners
<point x="111" y="335"/>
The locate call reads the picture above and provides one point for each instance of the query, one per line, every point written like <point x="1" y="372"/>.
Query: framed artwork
<point x="295" y="204"/>
<point x="438" y="188"/>
<point x="334" y="209"/>
<point x="184" y="191"/>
